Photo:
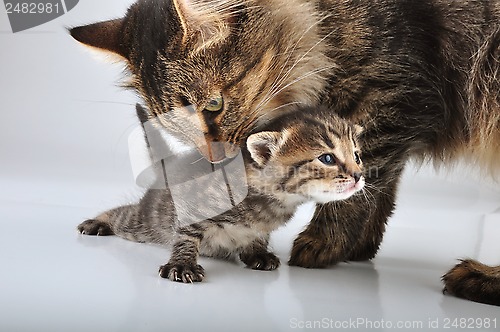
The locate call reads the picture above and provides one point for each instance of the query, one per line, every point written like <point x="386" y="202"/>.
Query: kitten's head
<point x="213" y="70"/>
<point x="313" y="154"/>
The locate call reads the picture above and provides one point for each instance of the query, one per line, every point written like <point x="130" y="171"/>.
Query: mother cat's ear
<point x="196" y="24"/>
<point x="263" y="146"/>
<point x="106" y="36"/>
<point x="205" y="23"/>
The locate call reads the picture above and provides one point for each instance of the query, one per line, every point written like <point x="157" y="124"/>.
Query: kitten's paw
<point x="473" y="281"/>
<point x="185" y="273"/>
<point x="310" y="252"/>
<point x="264" y="261"/>
<point x="95" y="227"/>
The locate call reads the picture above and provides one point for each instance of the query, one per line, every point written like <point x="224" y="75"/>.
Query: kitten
<point x="422" y="77"/>
<point x="309" y="155"/>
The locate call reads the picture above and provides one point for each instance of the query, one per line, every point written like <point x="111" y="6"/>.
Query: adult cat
<point x="422" y="77"/>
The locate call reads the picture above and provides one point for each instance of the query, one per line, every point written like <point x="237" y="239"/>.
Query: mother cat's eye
<point x="327" y="159"/>
<point x="215" y="104"/>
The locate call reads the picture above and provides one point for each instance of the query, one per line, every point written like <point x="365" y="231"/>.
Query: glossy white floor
<point x="54" y="279"/>
<point x="64" y="158"/>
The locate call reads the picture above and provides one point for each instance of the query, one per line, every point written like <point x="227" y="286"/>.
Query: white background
<point x="64" y="157"/>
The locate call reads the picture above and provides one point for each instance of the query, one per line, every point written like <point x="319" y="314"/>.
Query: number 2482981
<point x="32" y="8"/>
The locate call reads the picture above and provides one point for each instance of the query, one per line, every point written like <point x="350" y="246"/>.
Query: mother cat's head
<point x="211" y="71"/>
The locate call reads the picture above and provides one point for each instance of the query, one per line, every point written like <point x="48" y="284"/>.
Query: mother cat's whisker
<point x="275" y="94"/>
<point x="279" y="78"/>
<point x="105" y="102"/>
<point x="304" y="55"/>
<point x="285" y="105"/>
<point x="313" y="72"/>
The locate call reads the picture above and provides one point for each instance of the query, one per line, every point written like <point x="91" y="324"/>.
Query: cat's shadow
<point x="323" y="294"/>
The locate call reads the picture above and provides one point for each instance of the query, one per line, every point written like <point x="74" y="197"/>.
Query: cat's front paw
<point x="185" y="273"/>
<point x="95" y="227"/>
<point x="264" y="261"/>
<point x="310" y="252"/>
<point x="473" y="281"/>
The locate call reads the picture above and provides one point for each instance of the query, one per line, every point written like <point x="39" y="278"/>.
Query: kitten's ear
<point x="204" y="23"/>
<point x="105" y="36"/>
<point x="263" y="146"/>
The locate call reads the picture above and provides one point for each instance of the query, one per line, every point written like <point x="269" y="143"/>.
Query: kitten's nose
<point x="357" y="177"/>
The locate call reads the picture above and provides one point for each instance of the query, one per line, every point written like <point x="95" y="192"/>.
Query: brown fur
<point x="474" y="281"/>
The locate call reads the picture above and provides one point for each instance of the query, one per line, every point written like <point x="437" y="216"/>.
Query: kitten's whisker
<point x="370" y="186"/>
<point x="368" y="196"/>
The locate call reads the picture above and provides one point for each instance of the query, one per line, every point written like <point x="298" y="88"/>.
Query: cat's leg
<point x="183" y="264"/>
<point x="352" y="229"/>
<point x="257" y="256"/>
<point x="381" y="198"/>
<point x="474" y="281"/>
<point x="107" y="223"/>
<point x="331" y="234"/>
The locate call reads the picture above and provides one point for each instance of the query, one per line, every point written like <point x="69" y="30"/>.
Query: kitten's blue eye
<point x="327" y="159"/>
<point x="357" y="158"/>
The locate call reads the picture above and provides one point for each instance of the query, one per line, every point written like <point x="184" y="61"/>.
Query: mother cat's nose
<point x="217" y="152"/>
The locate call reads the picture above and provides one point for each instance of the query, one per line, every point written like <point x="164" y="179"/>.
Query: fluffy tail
<point x="474" y="281"/>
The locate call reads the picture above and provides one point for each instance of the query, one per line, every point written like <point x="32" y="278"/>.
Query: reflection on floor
<point x="54" y="279"/>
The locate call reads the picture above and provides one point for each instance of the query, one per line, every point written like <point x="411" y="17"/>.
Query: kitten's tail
<point x="474" y="281"/>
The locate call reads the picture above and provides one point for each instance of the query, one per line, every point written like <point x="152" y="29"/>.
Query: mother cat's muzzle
<point x="217" y="152"/>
